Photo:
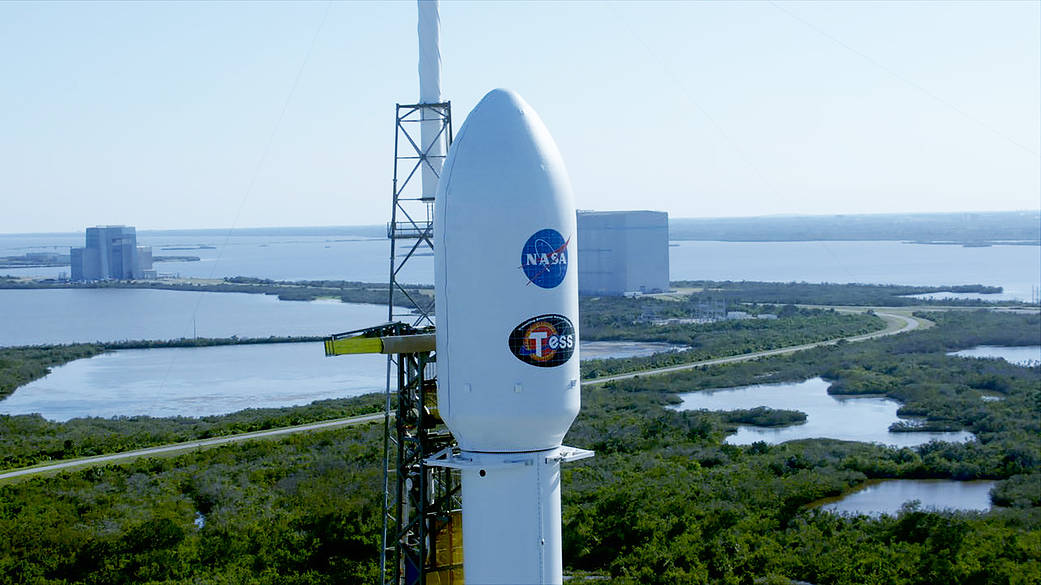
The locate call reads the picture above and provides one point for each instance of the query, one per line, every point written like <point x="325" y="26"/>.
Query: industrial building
<point x="111" y="253"/>
<point x="622" y="252"/>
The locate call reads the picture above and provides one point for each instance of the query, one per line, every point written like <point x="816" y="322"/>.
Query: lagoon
<point x="362" y="258"/>
<point x="50" y="316"/>
<point x="887" y="497"/>
<point x="196" y="381"/>
<point x="199" y="381"/>
<point x="861" y="418"/>
<point x="596" y="350"/>
<point x="1026" y="355"/>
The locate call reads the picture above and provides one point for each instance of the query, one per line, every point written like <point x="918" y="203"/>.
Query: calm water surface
<point x="212" y="380"/>
<point x="297" y="257"/>
<point x="1027" y="355"/>
<point x="886" y="497"/>
<point x="1016" y="268"/>
<point x="592" y="350"/>
<point x="43" y="316"/>
<point x="197" y="381"/>
<point x="865" y="419"/>
<point x="278" y="257"/>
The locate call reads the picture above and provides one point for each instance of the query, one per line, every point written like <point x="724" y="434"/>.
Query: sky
<point x="240" y="114"/>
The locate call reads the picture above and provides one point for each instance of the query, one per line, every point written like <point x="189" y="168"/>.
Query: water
<point x="345" y="257"/>
<point x="594" y="350"/>
<point x="864" y="419"/>
<point x="1016" y="268"/>
<point x="886" y="497"/>
<point x="1026" y="355"/>
<point x="44" y="316"/>
<point x="277" y="257"/>
<point x="214" y="380"/>
<point x="197" y="381"/>
<point x="956" y="296"/>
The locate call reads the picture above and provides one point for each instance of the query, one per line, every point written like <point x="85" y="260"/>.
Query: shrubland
<point x="664" y="501"/>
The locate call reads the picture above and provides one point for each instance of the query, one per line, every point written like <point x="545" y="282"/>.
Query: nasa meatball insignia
<point x="544" y="258"/>
<point x="545" y="341"/>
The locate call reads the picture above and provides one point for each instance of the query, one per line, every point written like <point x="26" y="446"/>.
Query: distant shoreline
<point x="1004" y="227"/>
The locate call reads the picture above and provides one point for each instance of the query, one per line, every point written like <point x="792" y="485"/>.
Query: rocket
<point x="506" y="284"/>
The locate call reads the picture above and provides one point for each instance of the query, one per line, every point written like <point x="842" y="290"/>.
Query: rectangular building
<point x="623" y="252"/>
<point x="111" y="252"/>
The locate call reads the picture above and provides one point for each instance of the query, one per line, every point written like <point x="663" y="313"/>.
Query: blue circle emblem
<point x="544" y="258"/>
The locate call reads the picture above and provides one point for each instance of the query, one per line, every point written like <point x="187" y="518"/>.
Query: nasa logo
<point x="545" y="341"/>
<point x="544" y="258"/>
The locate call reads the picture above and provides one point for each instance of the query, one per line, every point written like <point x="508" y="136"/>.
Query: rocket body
<point x="506" y="285"/>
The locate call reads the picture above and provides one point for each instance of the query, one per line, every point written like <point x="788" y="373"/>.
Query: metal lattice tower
<point x="411" y="227"/>
<point x="421" y="520"/>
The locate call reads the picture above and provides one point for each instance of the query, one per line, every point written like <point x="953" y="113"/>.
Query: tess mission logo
<point x="545" y="341"/>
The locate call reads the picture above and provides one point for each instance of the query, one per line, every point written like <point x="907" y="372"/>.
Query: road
<point x="894" y="324"/>
<point x="167" y="449"/>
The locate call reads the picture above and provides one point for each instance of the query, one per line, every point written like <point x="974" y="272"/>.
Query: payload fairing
<point x="506" y="286"/>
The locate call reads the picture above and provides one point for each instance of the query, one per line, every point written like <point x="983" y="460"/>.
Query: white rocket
<point x="506" y="285"/>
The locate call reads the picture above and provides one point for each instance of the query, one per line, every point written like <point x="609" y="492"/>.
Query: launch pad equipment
<point x="422" y="543"/>
<point x="421" y="519"/>
<point x="508" y="366"/>
<point x="506" y="286"/>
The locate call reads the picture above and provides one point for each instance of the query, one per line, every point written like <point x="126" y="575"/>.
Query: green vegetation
<point x="764" y="416"/>
<point x="606" y="319"/>
<point x="304" y="290"/>
<point x="806" y="293"/>
<point x="304" y="509"/>
<point x="944" y="391"/>
<point x="30" y="439"/>
<point x="665" y="501"/>
<point x="208" y="341"/>
<point x="21" y="365"/>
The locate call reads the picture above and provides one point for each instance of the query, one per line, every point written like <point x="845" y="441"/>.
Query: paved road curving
<point x="895" y="324"/>
<point x="115" y="457"/>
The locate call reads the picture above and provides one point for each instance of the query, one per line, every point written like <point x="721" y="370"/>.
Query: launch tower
<point x="421" y="527"/>
<point x="488" y="435"/>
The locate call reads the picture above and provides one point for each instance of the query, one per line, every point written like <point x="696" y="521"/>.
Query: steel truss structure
<point x="412" y="213"/>
<point x="421" y="511"/>
<point x="422" y="545"/>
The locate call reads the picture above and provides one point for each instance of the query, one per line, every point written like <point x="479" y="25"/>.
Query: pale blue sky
<point x="158" y="115"/>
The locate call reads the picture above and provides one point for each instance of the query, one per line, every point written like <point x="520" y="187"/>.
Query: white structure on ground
<point x="623" y="252"/>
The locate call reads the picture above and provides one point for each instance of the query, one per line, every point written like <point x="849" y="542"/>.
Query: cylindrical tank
<point x="506" y="281"/>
